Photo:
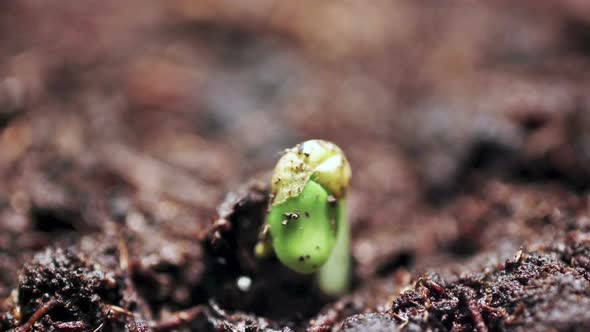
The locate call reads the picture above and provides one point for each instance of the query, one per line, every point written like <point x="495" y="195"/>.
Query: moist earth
<point x="137" y="141"/>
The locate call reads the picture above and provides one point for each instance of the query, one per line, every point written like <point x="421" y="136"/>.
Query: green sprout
<point x="307" y="220"/>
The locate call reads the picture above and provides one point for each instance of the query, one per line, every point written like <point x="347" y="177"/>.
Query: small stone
<point x="244" y="283"/>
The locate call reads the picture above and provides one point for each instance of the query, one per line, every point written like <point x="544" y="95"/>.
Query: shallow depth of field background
<point x="458" y="118"/>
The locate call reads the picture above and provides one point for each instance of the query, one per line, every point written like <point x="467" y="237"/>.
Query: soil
<point x="137" y="140"/>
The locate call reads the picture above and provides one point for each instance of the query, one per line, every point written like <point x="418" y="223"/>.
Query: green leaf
<point x="303" y="229"/>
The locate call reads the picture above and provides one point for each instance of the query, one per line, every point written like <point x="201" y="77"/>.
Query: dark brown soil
<point x="137" y="140"/>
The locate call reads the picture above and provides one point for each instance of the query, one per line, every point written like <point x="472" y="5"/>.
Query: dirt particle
<point x="332" y="200"/>
<point x="291" y="215"/>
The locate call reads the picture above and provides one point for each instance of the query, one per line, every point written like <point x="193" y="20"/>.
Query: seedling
<point x="307" y="225"/>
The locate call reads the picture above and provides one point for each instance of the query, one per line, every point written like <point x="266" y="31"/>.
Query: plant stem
<point x="334" y="276"/>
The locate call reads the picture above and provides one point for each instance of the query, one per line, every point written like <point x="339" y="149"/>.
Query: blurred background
<point x="151" y="111"/>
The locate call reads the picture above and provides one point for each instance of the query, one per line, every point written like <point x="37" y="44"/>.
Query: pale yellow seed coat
<point x="318" y="158"/>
